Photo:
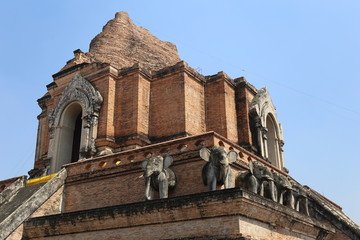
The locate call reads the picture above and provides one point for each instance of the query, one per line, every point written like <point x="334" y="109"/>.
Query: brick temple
<point x="133" y="143"/>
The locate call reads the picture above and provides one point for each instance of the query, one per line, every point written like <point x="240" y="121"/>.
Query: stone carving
<point x="284" y="190"/>
<point x="262" y="105"/>
<point x="265" y="180"/>
<point x="88" y="150"/>
<point x="217" y="171"/>
<point x="261" y="108"/>
<point x="158" y="176"/>
<point x="248" y="180"/>
<point x="79" y="89"/>
<point x="105" y="151"/>
<point x="300" y="197"/>
<point x="260" y="180"/>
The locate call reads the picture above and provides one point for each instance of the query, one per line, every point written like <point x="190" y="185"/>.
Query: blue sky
<point x="306" y="52"/>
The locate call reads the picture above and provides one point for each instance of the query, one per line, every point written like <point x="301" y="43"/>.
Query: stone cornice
<point x="69" y="70"/>
<point x="242" y="82"/>
<point x="178" y="67"/>
<point x="206" y="205"/>
<point x="221" y="75"/>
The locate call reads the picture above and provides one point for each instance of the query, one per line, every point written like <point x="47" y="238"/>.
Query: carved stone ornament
<point x="79" y="89"/>
<point x="259" y="179"/>
<point x="217" y="170"/>
<point x="262" y="105"/>
<point x="158" y="176"/>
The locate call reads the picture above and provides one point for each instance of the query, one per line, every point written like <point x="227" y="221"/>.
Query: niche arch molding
<point x="79" y="91"/>
<point x="263" y="111"/>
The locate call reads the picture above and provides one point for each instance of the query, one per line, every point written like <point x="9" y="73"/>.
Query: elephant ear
<point x="232" y="156"/>
<point x="205" y="154"/>
<point x="167" y="161"/>
<point x="144" y="164"/>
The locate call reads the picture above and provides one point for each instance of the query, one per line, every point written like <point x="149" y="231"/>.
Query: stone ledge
<point x="88" y="167"/>
<point x="228" y="204"/>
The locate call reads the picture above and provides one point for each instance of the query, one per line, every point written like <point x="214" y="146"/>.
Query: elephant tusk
<point x="141" y="176"/>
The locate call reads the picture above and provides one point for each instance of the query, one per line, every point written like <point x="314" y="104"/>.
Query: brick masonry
<point x="139" y="109"/>
<point x="151" y="107"/>
<point x="226" y="214"/>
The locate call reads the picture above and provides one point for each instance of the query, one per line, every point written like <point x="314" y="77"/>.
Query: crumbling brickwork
<point x="139" y="101"/>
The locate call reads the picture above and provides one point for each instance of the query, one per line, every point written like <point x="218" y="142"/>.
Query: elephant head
<point x="284" y="190"/>
<point x="217" y="170"/>
<point x="261" y="172"/>
<point x="266" y="180"/>
<point x="301" y="198"/>
<point x="247" y="179"/>
<point x="158" y="176"/>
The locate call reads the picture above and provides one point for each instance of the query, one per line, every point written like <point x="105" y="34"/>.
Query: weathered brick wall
<point x="221" y="112"/>
<point x="231" y="120"/>
<point x="143" y="106"/>
<point x="215" y="107"/>
<point x="139" y="109"/>
<point x="228" y="214"/>
<point x="106" y="87"/>
<point x="125" y="184"/>
<point x="167" y="106"/>
<point x="194" y="105"/>
<point x="117" y="179"/>
<point x="126" y="113"/>
<point x="243" y="98"/>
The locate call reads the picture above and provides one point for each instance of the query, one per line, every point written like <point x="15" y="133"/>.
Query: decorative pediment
<point x="268" y="129"/>
<point x="81" y="90"/>
<point x="262" y="105"/>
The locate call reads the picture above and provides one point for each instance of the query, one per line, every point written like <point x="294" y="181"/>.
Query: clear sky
<point x="306" y="52"/>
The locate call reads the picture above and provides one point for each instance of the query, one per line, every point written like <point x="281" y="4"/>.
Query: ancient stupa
<point x="135" y="144"/>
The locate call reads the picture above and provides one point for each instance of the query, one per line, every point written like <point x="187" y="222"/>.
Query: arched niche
<point x="78" y="107"/>
<point x="272" y="144"/>
<point x="68" y="135"/>
<point x="267" y="128"/>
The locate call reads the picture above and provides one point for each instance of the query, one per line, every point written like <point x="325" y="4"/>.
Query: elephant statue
<point x="158" y="176"/>
<point x="265" y="180"/>
<point x="247" y="179"/>
<point x="284" y="190"/>
<point x="217" y="169"/>
<point x="301" y="199"/>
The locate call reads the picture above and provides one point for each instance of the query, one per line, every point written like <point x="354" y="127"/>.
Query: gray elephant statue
<point x="284" y="190"/>
<point x="265" y="179"/>
<point x="158" y="176"/>
<point x="217" y="169"/>
<point x="247" y="179"/>
<point x="301" y="199"/>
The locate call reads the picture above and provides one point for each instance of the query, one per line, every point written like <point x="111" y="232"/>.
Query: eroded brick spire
<point x="122" y="44"/>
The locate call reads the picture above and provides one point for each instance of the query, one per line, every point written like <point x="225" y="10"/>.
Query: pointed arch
<point x="268" y="129"/>
<point x="272" y="137"/>
<point x="80" y="100"/>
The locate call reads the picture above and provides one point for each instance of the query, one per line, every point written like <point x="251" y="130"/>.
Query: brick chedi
<point x="135" y="144"/>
